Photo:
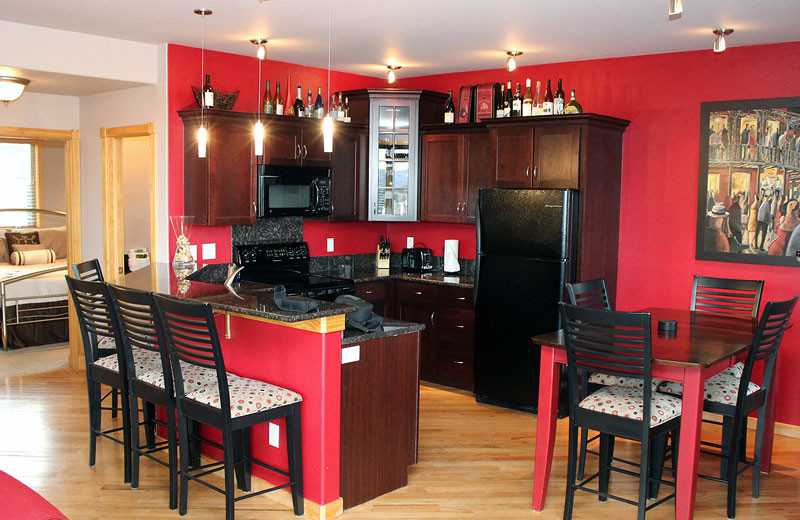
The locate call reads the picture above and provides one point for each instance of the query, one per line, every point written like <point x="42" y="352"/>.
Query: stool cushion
<point x="145" y="360"/>
<point x="628" y="382"/>
<point x="247" y="396"/>
<point x="629" y="403"/>
<point x="194" y="377"/>
<point x="722" y="388"/>
<point x="736" y="370"/>
<point x="106" y="342"/>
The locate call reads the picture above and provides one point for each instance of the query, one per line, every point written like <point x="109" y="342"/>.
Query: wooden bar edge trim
<point x="318" y="325"/>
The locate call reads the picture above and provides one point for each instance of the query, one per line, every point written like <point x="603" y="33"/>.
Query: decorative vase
<point x="182" y="227"/>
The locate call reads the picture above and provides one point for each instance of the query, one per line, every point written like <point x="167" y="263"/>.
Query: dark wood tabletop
<point x="702" y="339"/>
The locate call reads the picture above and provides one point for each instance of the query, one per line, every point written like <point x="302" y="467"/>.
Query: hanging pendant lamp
<point x="327" y="121"/>
<point x="202" y="132"/>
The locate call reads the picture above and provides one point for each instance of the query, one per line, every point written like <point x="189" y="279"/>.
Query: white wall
<point x="53" y="168"/>
<point x="34" y="110"/>
<point x="136" y="192"/>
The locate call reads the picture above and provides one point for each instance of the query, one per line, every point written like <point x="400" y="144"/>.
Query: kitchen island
<point x="301" y="352"/>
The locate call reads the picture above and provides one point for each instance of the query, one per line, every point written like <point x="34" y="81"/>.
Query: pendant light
<point x="719" y="42"/>
<point x="511" y="61"/>
<point x="202" y="132"/>
<point x="327" y="121"/>
<point x="391" y="77"/>
<point x="675" y="7"/>
<point x="258" y="127"/>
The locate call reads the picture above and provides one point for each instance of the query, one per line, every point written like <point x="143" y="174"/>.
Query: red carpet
<point x="19" y="502"/>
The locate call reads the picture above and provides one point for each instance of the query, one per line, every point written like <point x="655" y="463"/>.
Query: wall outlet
<point x="274" y="435"/>
<point x="193" y="249"/>
<point x="209" y="251"/>
<point x="330" y="245"/>
<point x="409" y="242"/>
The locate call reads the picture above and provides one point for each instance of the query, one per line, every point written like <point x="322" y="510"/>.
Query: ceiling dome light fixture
<point x="262" y="47"/>
<point x="11" y="88"/>
<point x="719" y="42"/>
<point x="675" y="7"/>
<point x="511" y="61"/>
<point x="391" y="77"/>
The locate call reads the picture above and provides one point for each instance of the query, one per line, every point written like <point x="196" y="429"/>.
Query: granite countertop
<point x="249" y="298"/>
<point x="372" y="274"/>
<point x="391" y="328"/>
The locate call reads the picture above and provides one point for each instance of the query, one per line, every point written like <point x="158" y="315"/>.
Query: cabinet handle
<point x="374" y="208"/>
<point x="433" y="321"/>
<point x="369" y="292"/>
<point x="254" y="207"/>
<point x="459" y="326"/>
<point x="534" y="172"/>
<point x="418" y="292"/>
<point x="296" y="147"/>
<point x="305" y="152"/>
<point x="461" y="298"/>
<point x="528" y="172"/>
<point x="458" y="362"/>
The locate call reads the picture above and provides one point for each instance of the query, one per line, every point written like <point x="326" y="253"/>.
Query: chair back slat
<point x="727" y="296"/>
<point x="192" y="337"/>
<point x="592" y="294"/>
<point x="89" y="270"/>
<point x="95" y="316"/>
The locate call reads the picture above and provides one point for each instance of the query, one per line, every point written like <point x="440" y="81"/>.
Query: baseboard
<point x="787" y="430"/>
<point x="313" y="510"/>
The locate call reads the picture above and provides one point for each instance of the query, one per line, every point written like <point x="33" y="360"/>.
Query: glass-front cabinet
<point x="394" y="137"/>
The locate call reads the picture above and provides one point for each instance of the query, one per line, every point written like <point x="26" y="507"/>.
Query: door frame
<point x="113" y="221"/>
<point x="72" y="181"/>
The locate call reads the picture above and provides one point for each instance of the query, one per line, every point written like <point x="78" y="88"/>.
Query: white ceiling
<point x="66" y="84"/>
<point x="424" y="36"/>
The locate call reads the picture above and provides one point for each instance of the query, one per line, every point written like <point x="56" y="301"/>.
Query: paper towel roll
<point x="451" y="256"/>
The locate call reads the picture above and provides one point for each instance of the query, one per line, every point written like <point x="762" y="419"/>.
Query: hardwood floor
<point x="476" y="462"/>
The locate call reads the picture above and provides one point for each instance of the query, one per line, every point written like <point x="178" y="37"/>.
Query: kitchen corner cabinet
<point x="455" y="165"/>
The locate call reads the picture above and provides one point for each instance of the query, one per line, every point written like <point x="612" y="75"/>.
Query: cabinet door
<point x="557" y="156"/>
<point x="231" y="174"/>
<point x="312" y="145"/>
<point x="375" y="293"/>
<point x="479" y="172"/>
<point x="513" y="156"/>
<point x="282" y="143"/>
<point x="443" y="178"/>
<point x="419" y="312"/>
<point x="345" y="176"/>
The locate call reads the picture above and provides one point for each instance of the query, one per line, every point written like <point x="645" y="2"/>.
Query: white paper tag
<point x="351" y="354"/>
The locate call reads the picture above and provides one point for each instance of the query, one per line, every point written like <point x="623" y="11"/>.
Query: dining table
<point x="703" y="345"/>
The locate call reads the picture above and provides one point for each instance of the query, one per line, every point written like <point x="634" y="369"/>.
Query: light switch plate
<point x="274" y="435"/>
<point x="330" y="245"/>
<point x="193" y="249"/>
<point x="351" y="354"/>
<point x="409" y="242"/>
<point x="209" y="251"/>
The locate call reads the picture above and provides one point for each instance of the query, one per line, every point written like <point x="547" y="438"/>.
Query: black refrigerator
<point x="526" y="241"/>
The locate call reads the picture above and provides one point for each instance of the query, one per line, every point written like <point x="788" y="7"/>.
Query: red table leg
<point x="769" y="427"/>
<point x="689" y="450"/>
<point x="545" y="426"/>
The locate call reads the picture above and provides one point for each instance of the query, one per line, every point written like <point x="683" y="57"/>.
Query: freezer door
<point x="526" y="223"/>
<point x="517" y="298"/>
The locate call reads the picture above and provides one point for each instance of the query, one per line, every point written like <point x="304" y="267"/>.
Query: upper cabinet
<point x="294" y="141"/>
<point x="394" y="117"/>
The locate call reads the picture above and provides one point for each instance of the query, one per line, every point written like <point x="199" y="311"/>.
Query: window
<point x="19" y="178"/>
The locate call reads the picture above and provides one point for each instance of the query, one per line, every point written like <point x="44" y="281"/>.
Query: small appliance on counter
<point x="417" y="260"/>
<point x="383" y="256"/>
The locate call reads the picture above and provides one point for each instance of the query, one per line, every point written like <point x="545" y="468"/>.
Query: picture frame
<point x="464" y="104"/>
<point x="748" y="208"/>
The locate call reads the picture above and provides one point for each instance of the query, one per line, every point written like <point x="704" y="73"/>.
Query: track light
<point x="675" y="7"/>
<point x="719" y="42"/>
<point x="511" y="61"/>
<point x="262" y="47"/>
<point x="391" y="77"/>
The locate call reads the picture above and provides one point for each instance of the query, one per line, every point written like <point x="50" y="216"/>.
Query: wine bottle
<point x="498" y="106"/>
<point x="269" y="103"/>
<point x="309" y="106"/>
<point x="509" y="101"/>
<point x="278" y="100"/>
<point x="558" y="100"/>
<point x="319" y="106"/>
<point x="346" y="109"/>
<point x="527" y="101"/>
<point x="208" y="93"/>
<point x="334" y="111"/>
<point x="573" y="107"/>
<point x="547" y="104"/>
<point x="449" y="109"/>
<point x="516" y="106"/>
<point x="340" y="108"/>
<point x="537" y="101"/>
<point x="299" y="109"/>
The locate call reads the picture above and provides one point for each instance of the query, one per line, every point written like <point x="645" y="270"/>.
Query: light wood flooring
<point x="476" y="462"/>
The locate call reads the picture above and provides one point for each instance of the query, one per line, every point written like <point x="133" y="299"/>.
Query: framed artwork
<point x="464" y="104"/>
<point x="747" y="207"/>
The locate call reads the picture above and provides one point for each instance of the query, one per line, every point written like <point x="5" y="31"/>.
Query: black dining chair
<point x="192" y="339"/>
<point x="618" y="344"/>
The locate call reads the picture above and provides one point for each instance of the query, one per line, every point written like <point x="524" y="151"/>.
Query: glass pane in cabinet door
<point x="385" y="119"/>
<point x="388" y="202"/>
<point x="400" y="201"/>
<point x="385" y="146"/>
<point x="400" y="174"/>
<point x="401" y="146"/>
<point x="402" y="116"/>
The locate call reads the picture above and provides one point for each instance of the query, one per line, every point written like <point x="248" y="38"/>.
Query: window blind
<point x="19" y="178"/>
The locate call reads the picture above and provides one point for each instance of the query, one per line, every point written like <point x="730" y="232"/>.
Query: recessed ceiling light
<point x="719" y="42"/>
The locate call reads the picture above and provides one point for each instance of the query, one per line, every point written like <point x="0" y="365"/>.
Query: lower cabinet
<point x="377" y="293"/>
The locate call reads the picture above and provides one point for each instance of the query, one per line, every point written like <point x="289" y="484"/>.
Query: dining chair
<point x="232" y="405"/>
<point x="736" y="397"/>
<point x="618" y="344"/>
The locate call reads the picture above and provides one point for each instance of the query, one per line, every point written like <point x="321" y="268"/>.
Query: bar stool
<point x="193" y="341"/>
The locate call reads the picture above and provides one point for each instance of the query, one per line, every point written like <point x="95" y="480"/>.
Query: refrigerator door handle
<point x="477" y="247"/>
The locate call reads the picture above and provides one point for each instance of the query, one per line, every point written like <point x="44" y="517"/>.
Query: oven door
<point x="287" y="190"/>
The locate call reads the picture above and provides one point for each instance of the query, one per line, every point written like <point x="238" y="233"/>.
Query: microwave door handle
<point x="314" y="195"/>
<point x="261" y="193"/>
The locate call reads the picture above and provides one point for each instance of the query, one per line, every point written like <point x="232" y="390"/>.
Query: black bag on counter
<point x="363" y="318"/>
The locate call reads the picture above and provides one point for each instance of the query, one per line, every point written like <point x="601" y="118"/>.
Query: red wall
<point x="661" y="96"/>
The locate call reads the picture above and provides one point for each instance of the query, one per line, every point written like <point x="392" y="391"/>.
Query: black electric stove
<point x="287" y="265"/>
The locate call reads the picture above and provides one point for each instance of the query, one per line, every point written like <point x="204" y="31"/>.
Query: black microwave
<point x="293" y="190"/>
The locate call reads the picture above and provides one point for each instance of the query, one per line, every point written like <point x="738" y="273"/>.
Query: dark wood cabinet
<point x="512" y="151"/>
<point x="416" y="302"/>
<point x="556" y="156"/>
<point x="378" y="294"/>
<point x="349" y="174"/>
<point x="294" y="141"/>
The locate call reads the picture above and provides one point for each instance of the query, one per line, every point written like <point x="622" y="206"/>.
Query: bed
<point x="33" y="298"/>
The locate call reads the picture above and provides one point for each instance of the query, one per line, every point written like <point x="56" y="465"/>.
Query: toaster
<point x="417" y="260"/>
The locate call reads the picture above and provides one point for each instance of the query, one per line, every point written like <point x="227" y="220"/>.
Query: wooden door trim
<point x="113" y="230"/>
<point x="72" y="181"/>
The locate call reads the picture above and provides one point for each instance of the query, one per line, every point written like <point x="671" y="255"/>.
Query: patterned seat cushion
<point x="736" y="370"/>
<point x="194" y="377"/>
<point x="627" y="382"/>
<point x="106" y="342"/>
<point x="721" y="388"/>
<point x="247" y="396"/>
<point x="145" y="360"/>
<point x="629" y="402"/>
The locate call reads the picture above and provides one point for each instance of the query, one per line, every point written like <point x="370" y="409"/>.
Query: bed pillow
<point x="37" y="256"/>
<point x="4" y="249"/>
<point x="54" y="238"/>
<point x="13" y="237"/>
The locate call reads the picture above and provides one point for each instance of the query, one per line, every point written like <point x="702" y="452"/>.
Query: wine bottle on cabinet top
<point x="547" y="104"/>
<point x="498" y="106"/>
<point x="537" y="101"/>
<point x="346" y="110"/>
<point x="309" y="106"/>
<point x="449" y="109"/>
<point x="269" y="103"/>
<point x="509" y="101"/>
<point x="278" y="100"/>
<point x="516" y="106"/>
<point x="208" y="93"/>
<point x="573" y="107"/>
<point x="319" y="105"/>
<point x="527" y="101"/>
<point x="558" y="100"/>
<point x="299" y="109"/>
